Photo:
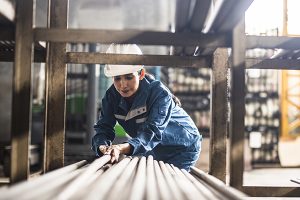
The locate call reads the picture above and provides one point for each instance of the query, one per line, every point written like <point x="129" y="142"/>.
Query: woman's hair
<point x="176" y="100"/>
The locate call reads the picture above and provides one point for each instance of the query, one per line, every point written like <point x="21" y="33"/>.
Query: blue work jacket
<point x="157" y="125"/>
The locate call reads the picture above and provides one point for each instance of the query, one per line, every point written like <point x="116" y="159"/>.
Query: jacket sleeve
<point x="104" y="127"/>
<point x="150" y="132"/>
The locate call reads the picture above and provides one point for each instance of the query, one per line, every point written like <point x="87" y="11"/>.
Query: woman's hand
<point x="115" y="150"/>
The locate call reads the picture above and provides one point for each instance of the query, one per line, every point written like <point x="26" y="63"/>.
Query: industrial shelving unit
<point x="224" y="28"/>
<point x="262" y="119"/>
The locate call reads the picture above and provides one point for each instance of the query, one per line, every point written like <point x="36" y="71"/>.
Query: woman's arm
<point x="105" y="126"/>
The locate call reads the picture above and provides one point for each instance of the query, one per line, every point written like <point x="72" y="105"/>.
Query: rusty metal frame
<point x="56" y="79"/>
<point x="55" y="115"/>
<point x="21" y="104"/>
<point x="218" y="117"/>
<point x="237" y="126"/>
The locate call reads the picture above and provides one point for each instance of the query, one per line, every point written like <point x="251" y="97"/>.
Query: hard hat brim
<point x="118" y="70"/>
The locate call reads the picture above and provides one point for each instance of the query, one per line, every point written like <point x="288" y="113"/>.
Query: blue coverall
<point x="157" y="125"/>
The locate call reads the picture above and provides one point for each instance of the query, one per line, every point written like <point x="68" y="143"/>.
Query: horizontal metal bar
<point x="151" y="186"/>
<point x="124" y="179"/>
<point x="131" y="37"/>
<point x="129" y="59"/>
<point x="51" y="186"/>
<point x="102" y="186"/>
<point x="272" y="42"/>
<point x="206" y="193"/>
<point x="23" y="187"/>
<point x="139" y="184"/>
<point x="229" y="192"/>
<point x="163" y="188"/>
<point x="185" y="184"/>
<point x="80" y="180"/>
<point x="131" y="178"/>
<point x="287" y="64"/>
<point x="175" y="190"/>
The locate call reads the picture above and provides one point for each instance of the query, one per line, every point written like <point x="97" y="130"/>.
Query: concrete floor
<point x="272" y="177"/>
<point x="255" y="177"/>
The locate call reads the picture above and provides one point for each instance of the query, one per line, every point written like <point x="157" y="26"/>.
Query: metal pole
<point x="81" y="194"/>
<point x="175" y="190"/>
<point x="105" y="182"/>
<point x="187" y="185"/>
<point x="228" y="192"/>
<point x="163" y="189"/>
<point x="207" y="194"/>
<point x="55" y="97"/>
<point x="80" y="180"/>
<point x="21" y="101"/>
<point x="218" y="117"/>
<point x="91" y="97"/>
<point x="151" y="186"/>
<point x="139" y="185"/>
<point x="23" y="187"/>
<point x="237" y="117"/>
<point x="123" y="181"/>
<point x="51" y="188"/>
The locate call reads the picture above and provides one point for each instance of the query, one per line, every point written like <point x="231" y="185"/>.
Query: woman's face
<point x="127" y="84"/>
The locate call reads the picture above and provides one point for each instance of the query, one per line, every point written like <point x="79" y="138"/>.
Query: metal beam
<point x="272" y="42"/>
<point x="201" y="10"/>
<point x="130" y="59"/>
<point x="56" y="76"/>
<point x="21" y="103"/>
<point x="131" y="37"/>
<point x="230" y="14"/>
<point x="287" y="64"/>
<point x="219" y="111"/>
<point x="237" y="126"/>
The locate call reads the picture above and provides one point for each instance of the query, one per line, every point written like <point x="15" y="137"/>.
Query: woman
<point x="148" y="112"/>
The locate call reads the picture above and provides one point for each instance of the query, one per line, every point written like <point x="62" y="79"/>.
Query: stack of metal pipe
<point x="131" y="178"/>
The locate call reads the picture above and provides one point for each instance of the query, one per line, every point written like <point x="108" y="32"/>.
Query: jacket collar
<point x="139" y="103"/>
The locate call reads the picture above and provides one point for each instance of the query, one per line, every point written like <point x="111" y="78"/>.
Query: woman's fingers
<point x="113" y="151"/>
<point x="102" y="149"/>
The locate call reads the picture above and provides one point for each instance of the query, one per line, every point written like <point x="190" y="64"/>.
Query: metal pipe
<point x="105" y="182"/>
<point x="25" y="186"/>
<point x="80" y="194"/>
<point x="164" y="190"/>
<point x="129" y="179"/>
<point x="139" y="185"/>
<point x="51" y="187"/>
<point x="92" y="97"/>
<point x="151" y="186"/>
<point x="80" y="180"/>
<point x="124" y="180"/>
<point x="170" y="182"/>
<point x="228" y="192"/>
<point x="201" y="187"/>
<point x="187" y="186"/>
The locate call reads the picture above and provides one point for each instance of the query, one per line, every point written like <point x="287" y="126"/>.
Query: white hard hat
<point x="117" y="70"/>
